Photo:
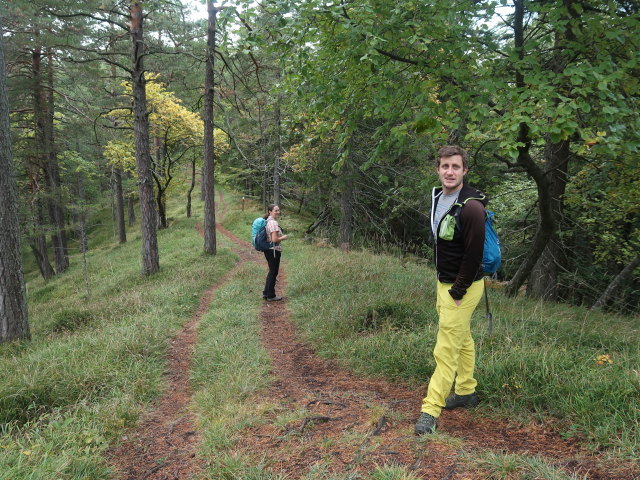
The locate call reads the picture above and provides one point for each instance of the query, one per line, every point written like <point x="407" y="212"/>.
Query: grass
<point x="375" y="315"/>
<point x="230" y="365"/>
<point x="230" y="369"/>
<point x="499" y="466"/>
<point x="95" y="363"/>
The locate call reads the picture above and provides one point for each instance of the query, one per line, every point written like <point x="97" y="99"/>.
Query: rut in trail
<point x="164" y="445"/>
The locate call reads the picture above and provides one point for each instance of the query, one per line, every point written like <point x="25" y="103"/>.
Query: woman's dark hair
<point x="270" y="208"/>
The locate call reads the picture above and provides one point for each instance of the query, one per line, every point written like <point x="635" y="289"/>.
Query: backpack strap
<point x="456" y="209"/>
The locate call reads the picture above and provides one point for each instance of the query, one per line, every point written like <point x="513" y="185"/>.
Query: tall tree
<point x="148" y="222"/>
<point x="14" y="322"/>
<point x="43" y="115"/>
<point x="209" y="151"/>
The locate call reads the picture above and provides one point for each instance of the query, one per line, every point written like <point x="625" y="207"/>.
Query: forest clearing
<point x="139" y="141"/>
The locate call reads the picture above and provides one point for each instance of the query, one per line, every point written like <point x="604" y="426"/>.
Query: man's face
<point x="451" y="172"/>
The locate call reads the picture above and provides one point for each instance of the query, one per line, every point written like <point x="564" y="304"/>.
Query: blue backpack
<point x="259" y="235"/>
<point x="492" y="255"/>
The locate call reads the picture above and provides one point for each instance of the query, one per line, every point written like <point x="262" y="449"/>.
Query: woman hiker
<point x="274" y="234"/>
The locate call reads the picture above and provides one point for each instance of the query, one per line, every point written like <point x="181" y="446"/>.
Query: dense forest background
<point x="336" y="109"/>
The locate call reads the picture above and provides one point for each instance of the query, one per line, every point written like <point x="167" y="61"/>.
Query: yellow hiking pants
<point x="454" y="351"/>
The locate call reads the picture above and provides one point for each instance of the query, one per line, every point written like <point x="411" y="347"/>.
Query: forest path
<point x="163" y="446"/>
<point x="325" y="420"/>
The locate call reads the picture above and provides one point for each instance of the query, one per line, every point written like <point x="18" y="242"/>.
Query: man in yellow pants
<point x="457" y="222"/>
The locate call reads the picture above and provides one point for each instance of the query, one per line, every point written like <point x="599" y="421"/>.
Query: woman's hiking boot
<point x="426" y="424"/>
<point x="466" y="401"/>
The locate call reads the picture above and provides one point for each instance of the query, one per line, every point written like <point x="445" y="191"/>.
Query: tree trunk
<point x="122" y="230"/>
<point x="191" y="187"/>
<point x="202" y="184"/>
<point x="276" y="161"/>
<point x="82" y="219"/>
<point x="543" y="281"/>
<point x="150" y="255"/>
<point x="319" y="219"/>
<point x="43" y="141"/>
<point x="162" y="210"/>
<point x="14" y="323"/>
<point x="546" y="225"/>
<point x="84" y="241"/>
<point x="617" y="284"/>
<point x="346" y="205"/>
<point x="161" y="185"/>
<point x="551" y="182"/>
<point x="38" y="241"/>
<point x="131" y="208"/>
<point x="52" y="172"/>
<point x="117" y="173"/>
<point x="209" y="153"/>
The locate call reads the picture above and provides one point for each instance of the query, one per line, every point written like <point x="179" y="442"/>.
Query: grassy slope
<point x="94" y="365"/>
<point x="376" y="315"/>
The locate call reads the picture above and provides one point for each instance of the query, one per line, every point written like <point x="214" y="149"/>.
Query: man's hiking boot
<point x="426" y="424"/>
<point x="467" y="401"/>
<point x="274" y="299"/>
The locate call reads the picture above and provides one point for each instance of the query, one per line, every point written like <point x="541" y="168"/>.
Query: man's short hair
<point x="450" y="151"/>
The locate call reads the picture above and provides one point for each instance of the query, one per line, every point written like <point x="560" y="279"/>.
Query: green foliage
<point x="372" y="89"/>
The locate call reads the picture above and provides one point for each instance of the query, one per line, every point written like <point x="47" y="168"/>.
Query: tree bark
<point x="122" y="230"/>
<point x="543" y="280"/>
<point x="62" y="252"/>
<point x="617" y="284"/>
<point x="546" y="225"/>
<point x="82" y="218"/>
<point x="276" y="161"/>
<point x="161" y="183"/>
<point x="346" y="206"/>
<point x="43" y="118"/>
<point x="14" y="323"/>
<point x="148" y="221"/>
<point x="319" y="219"/>
<point x="38" y="241"/>
<point x="209" y="152"/>
<point x="551" y="183"/>
<point x="131" y="208"/>
<point x="191" y="187"/>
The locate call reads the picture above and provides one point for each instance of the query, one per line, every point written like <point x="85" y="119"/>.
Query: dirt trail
<point x="323" y="415"/>
<point x="353" y="424"/>
<point x="163" y="446"/>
